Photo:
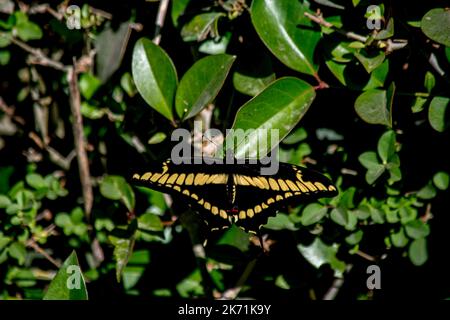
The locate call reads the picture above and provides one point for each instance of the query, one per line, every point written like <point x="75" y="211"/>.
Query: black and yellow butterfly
<point x="237" y="193"/>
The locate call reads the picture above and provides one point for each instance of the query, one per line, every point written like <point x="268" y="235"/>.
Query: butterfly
<point x="225" y="194"/>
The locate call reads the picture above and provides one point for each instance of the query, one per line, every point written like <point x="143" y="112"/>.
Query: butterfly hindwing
<point x="225" y="194"/>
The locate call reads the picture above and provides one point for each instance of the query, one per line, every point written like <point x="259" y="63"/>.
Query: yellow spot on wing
<point x="214" y="210"/>
<point x="194" y="196"/>
<point x="172" y="178"/>
<point x="283" y="185"/>
<point x="258" y="209"/>
<point x="273" y="184"/>
<point x="264" y="206"/>
<point x="186" y="192"/>
<point x="200" y="202"/>
<point x="200" y="179"/>
<point x="163" y="179"/>
<point x="288" y="194"/>
<point x="146" y="176"/>
<point x="180" y="179"/>
<point x="223" y="214"/>
<point x="250" y="213"/>
<point x="279" y="198"/>
<point x="242" y="214"/>
<point x="239" y="180"/>
<point x="155" y="177"/>
<point x="257" y="181"/>
<point x="270" y="200"/>
<point x="302" y="186"/>
<point x="292" y="185"/>
<point x="177" y="188"/>
<point x="320" y="186"/>
<point x="207" y="205"/>
<point x="310" y="186"/>
<point x="136" y="176"/>
<point x="331" y="188"/>
<point x="189" y="179"/>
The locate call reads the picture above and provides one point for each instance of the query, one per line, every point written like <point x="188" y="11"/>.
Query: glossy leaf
<point x="399" y="239"/>
<point x="68" y="284"/>
<point x="280" y="106"/>
<point x="441" y="180"/>
<point x="436" y="25"/>
<point x="235" y="237"/>
<point x="117" y="188"/>
<point x="372" y="107"/>
<point x="417" y="229"/>
<point x="418" y="252"/>
<point x="319" y="253"/>
<point x="439" y="113"/>
<point x="201" y="84"/>
<point x="155" y="76"/>
<point x="386" y="146"/>
<point x="285" y="30"/>
<point x="312" y="213"/>
<point x="200" y="26"/>
<point x="123" y="249"/>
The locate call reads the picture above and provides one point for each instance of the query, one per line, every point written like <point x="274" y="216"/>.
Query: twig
<point x="160" y="17"/>
<point x="366" y="256"/>
<point x="232" y="293"/>
<point x="320" y="20"/>
<point x="38" y="56"/>
<point x="80" y="143"/>
<point x="32" y="244"/>
<point x="336" y="286"/>
<point x="428" y="215"/>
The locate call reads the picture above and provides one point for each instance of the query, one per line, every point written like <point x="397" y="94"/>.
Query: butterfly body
<point x="236" y="193"/>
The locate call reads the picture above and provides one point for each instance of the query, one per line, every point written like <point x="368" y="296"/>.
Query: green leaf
<point x="436" y="25"/>
<point x="429" y="82"/>
<point x="5" y="39"/>
<point x="110" y="45"/>
<point x="91" y="111"/>
<point x="368" y="159"/>
<point x="200" y="26"/>
<point x="418" y="253"/>
<point x="377" y="215"/>
<point x="440" y="180"/>
<point x="319" y="253"/>
<point x="151" y="222"/>
<point x="399" y="239"/>
<point x="386" y="146"/>
<point x="312" y="214"/>
<point x="18" y="251"/>
<point x="296" y="136"/>
<point x="89" y="84"/>
<point x="417" y="229"/>
<point x="216" y="46"/>
<point x="201" y="84"/>
<point x="4" y="201"/>
<point x="26" y="30"/>
<point x="127" y="84"/>
<point x="280" y="106"/>
<point x="372" y="107"/>
<point x="370" y="61"/>
<point x="407" y="214"/>
<point x="123" y="248"/>
<point x="177" y="9"/>
<point x="288" y="34"/>
<point x="387" y="32"/>
<point x="354" y="238"/>
<point x="235" y="237"/>
<point x="155" y="76"/>
<point x="362" y="212"/>
<point x="117" y="188"/>
<point x="4" y="56"/>
<point x="427" y="192"/>
<point x="157" y="138"/>
<point x="343" y="217"/>
<point x="68" y="284"/>
<point x="35" y="180"/>
<point x="439" y="113"/>
<point x="418" y="105"/>
<point x="280" y="222"/>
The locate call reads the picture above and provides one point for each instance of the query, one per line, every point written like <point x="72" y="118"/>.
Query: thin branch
<point x="320" y="20"/>
<point x="336" y="286"/>
<point x="38" y="57"/>
<point x="80" y="143"/>
<point x="232" y="293"/>
<point x="32" y="244"/>
<point x="160" y="17"/>
<point x="366" y="256"/>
